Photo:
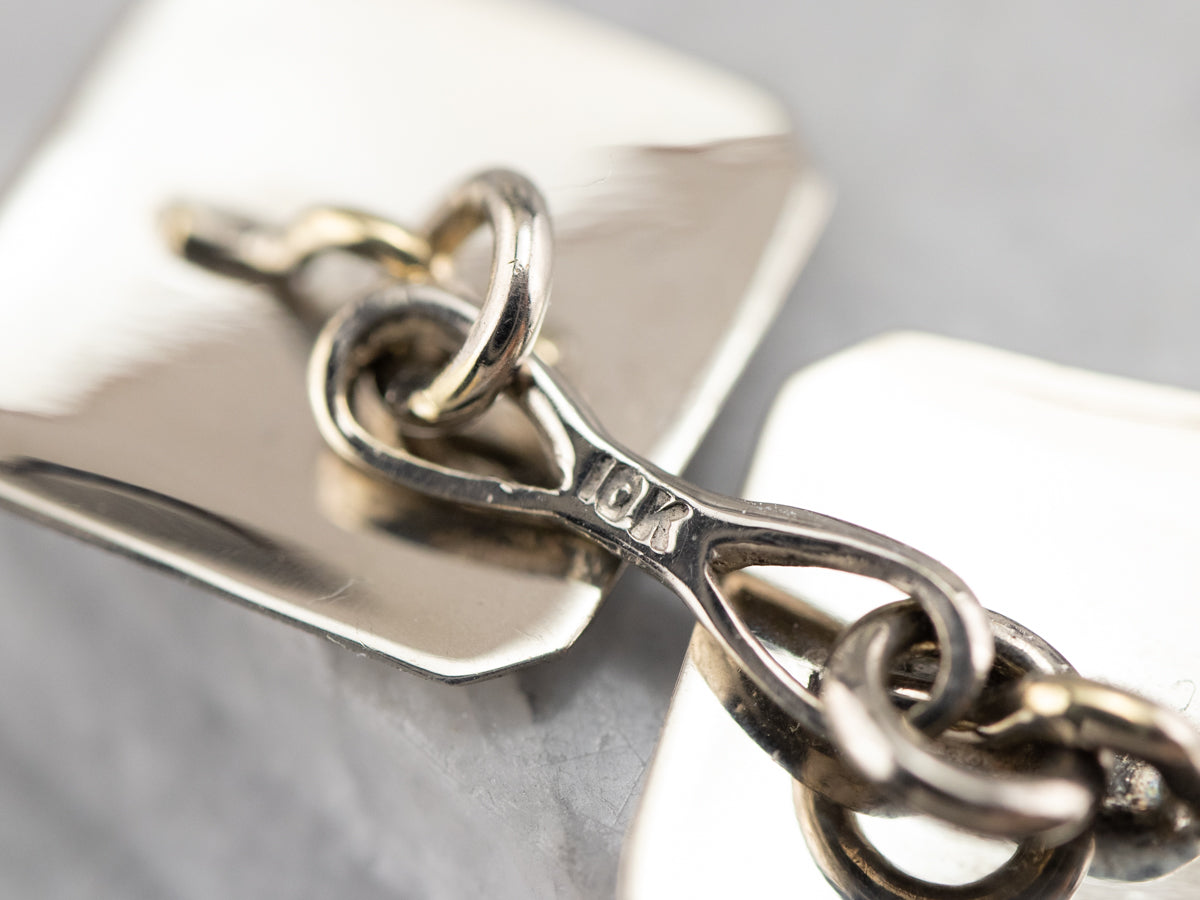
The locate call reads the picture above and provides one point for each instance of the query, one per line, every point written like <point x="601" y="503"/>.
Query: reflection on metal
<point x="279" y="258"/>
<point x="183" y="394"/>
<point x="509" y="317"/>
<point x="1053" y="796"/>
<point x="684" y="536"/>
<point x="1055" y="468"/>
<point x="859" y="871"/>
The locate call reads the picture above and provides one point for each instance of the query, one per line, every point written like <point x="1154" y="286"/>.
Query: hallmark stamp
<point x="624" y="497"/>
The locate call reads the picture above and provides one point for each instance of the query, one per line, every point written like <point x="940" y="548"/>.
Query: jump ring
<point x="858" y="871"/>
<point x="515" y="303"/>
<point x="1055" y="804"/>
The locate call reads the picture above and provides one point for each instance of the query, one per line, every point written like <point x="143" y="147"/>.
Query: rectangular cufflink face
<point x="161" y="411"/>
<point x="1065" y="501"/>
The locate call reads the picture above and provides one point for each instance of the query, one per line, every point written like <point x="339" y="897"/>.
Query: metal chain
<point x="508" y="320"/>
<point x="1056" y="710"/>
<point x="1019" y="756"/>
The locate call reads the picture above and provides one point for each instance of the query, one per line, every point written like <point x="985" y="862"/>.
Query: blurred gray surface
<point x="1020" y="174"/>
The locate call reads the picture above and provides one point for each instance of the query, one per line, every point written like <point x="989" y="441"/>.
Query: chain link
<point x="1021" y="755"/>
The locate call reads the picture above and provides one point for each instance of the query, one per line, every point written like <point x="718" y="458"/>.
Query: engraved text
<point x="624" y="497"/>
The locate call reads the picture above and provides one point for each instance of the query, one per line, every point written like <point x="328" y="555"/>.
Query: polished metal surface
<point x="243" y="248"/>
<point x="160" y="411"/>
<point x="1054" y="803"/>
<point x="685" y="537"/>
<point x="1144" y="844"/>
<point x="1036" y="194"/>
<point x="1093" y="716"/>
<point x="510" y="315"/>
<point x="1144" y="830"/>
<point x="858" y="871"/>
<point x="518" y="290"/>
<point x="688" y="541"/>
<point x="972" y="771"/>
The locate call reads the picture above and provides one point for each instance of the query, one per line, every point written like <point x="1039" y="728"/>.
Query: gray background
<point x="1021" y="174"/>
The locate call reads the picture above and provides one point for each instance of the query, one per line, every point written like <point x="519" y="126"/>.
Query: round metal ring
<point x="417" y="326"/>
<point x="858" y="871"/>
<point x="514" y="306"/>
<point x="419" y="318"/>
<point x="1056" y="803"/>
<point x="805" y="636"/>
